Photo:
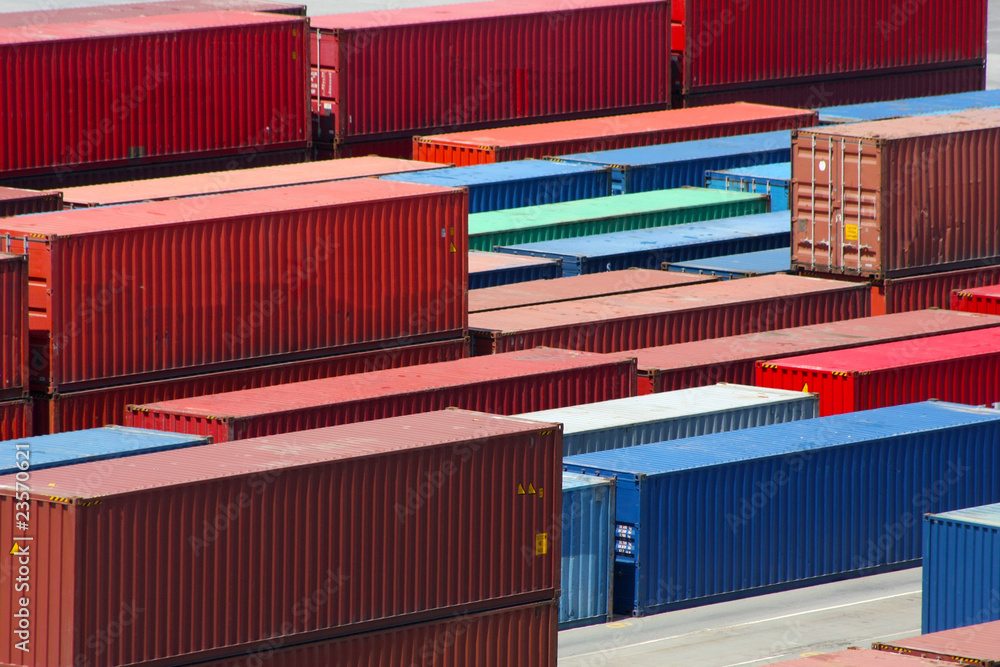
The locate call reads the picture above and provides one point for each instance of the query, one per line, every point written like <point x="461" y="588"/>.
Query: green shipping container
<point x="619" y="213"/>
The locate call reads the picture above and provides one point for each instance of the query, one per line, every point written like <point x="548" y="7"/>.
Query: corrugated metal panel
<point x="855" y="657"/>
<point x="588" y="534"/>
<point x="505" y="61"/>
<point x="676" y="315"/>
<point x="914" y="106"/>
<point x="372" y="525"/>
<point x="969" y="645"/>
<point x="650" y="248"/>
<point x="740" y="46"/>
<point x="15" y="201"/>
<point x="251" y="279"/>
<point x="962" y="367"/>
<point x="489" y="269"/>
<point x="148" y="95"/>
<point x="933" y="290"/>
<point x="578" y="287"/>
<point x="732" y="359"/>
<point x="495" y="187"/>
<point x="602" y="134"/>
<point x="13" y="325"/>
<point x="98" y="407"/>
<point x="525" y="381"/>
<point x="855" y="188"/>
<point x="984" y="300"/>
<point x="790" y="504"/>
<point x="588" y="217"/>
<point x="103" y="12"/>
<point x="746" y="265"/>
<point x="639" y="420"/>
<point x="15" y="419"/>
<point x="962" y="578"/>
<point x="770" y="179"/>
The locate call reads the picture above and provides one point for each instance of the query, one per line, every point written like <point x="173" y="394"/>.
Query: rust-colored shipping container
<point x="400" y="72"/>
<point x="240" y="279"/>
<point x="933" y="290"/>
<point x="961" y="367"/>
<point x="15" y="419"/>
<point x="521" y="636"/>
<point x="155" y="88"/>
<point x="527" y="381"/>
<point x="898" y="197"/>
<point x="977" y="645"/>
<point x="126" y="11"/>
<point x="732" y="359"/>
<point x="15" y="201"/>
<point x="13" y="325"/>
<point x="675" y="315"/>
<point x="600" y="134"/>
<point x="93" y="408"/>
<point x="206" y="552"/>
<point x="978" y="300"/>
<point x="517" y="295"/>
<point x="855" y="657"/>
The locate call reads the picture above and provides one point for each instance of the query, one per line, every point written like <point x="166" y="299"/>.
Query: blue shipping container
<point x="684" y="163"/>
<point x="914" y="106"/>
<point x="650" y="248"/>
<point x="770" y="179"/>
<point x="747" y="265"/>
<point x="961" y="568"/>
<point x="588" y="529"/>
<point x="516" y="270"/>
<point x="96" y="444"/>
<point x="748" y="512"/>
<point x="496" y="187"/>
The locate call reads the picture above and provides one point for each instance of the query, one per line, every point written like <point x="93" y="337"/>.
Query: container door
<point x="815" y="202"/>
<point x="858" y="178"/>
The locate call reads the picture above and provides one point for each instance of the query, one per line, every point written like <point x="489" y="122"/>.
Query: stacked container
<point x="770" y="179"/>
<point x="14" y="201"/>
<point x="727" y="267"/>
<point x="13" y="326"/>
<point x="917" y="106"/>
<point x="488" y="269"/>
<point x="979" y="300"/>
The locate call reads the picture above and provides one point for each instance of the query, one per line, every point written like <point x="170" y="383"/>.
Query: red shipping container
<point x="979" y="300"/>
<point x="13" y="325"/>
<point x="241" y="279"/>
<point x="970" y="645"/>
<point x="599" y="134"/>
<point x="517" y="295"/>
<point x="526" y="381"/>
<point x="299" y="537"/>
<point x="854" y="657"/>
<point x="522" y="636"/>
<point x="15" y="419"/>
<point x="732" y="359"/>
<point x="675" y="315"/>
<point x="933" y="290"/>
<point x="961" y="367"/>
<point x="399" y="72"/>
<point x="163" y="7"/>
<point x="734" y="45"/>
<point x="14" y="201"/>
<point x="155" y="88"/>
<point x="900" y="197"/>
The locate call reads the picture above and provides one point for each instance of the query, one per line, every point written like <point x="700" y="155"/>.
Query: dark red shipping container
<point x="171" y="288"/>
<point x="15" y="419"/>
<point x="979" y="300"/>
<point x="13" y="325"/>
<point x="977" y="645"/>
<point x="515" y="383"/>
<point x="961" y="367"/>
<point x="732" y="359"/>
<point x="155" y="88"/>
<point x="14" y="201"/>
<point x="400" y="72"/>
<point x="522" y="636"/>
<point x="675" y="315"/>
<point x="205" y="553"/>
<point x="855" y="657"/>
<point x="933" y="290"/>
<point x="163" y="7"/>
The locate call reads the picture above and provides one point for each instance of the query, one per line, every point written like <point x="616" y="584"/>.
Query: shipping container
<point x="15" y="419"/>
<point x="933" y="290"/>
<point x="791" y="504"/>
<point x="400" y="149"/>
<point x="93" y="408"/>
<point x="770" y="179"/>
<point x="962" y="367"/>
<point x="685" y="163"/>
<point x="913" y="106"/>
<point x="962" y="576"/>
<point x="399" y="530"/>
<point x="650" y="248"/>
<point x="640" y="420"/>
<point x="859" y="657"/>
<point x="970" y="645"/>
<point x="15" y="201"/>
<point x="587" y="530"/>
<point x="233" y="275"/>
<point x="195" y="185"/>
<point x="602" y="134"/>
<point x="675" y="315"/>
<point x="984" y="300"/>
<point x="588" y="217"/>
<point x="590" y="286"/>
<point x="387" y="74"/>
<point x="147" y="95"/>
<point x="732" y="359"/>
<point x="897" y="197"/>
<point x="747" y="265"/>
<point x="495" y="187"/>
<point x="13" y="325"/>
<point x="523" y="381"/>
<point x="490" y="269"/>
<point x="163" y="7"/>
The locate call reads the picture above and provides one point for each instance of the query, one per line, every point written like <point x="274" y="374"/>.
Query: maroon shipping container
<point x="164" y="7"/>
<point x="930" y="291"/>
<point x="898" y="197"/>
<point x="734" y="45"/>
<point x="155" y="88"/>
<point x="676" y="315"/>
<point x="15" y="419"/>
<point x="979" y="300"/>
<point x="14" y="201"/>
<point x="204" y="553"/>
<point x="13" y="325"/>
<point x="522" y="636"/>
<point x="977" y="645"/>
<point x="399" y="72"/>
<point x="856" y="657"/>
<point x="206" y="283"/>
<point x="732" y="359"/>
<point x="515" y="383"/>
<point x="94" y="408"/>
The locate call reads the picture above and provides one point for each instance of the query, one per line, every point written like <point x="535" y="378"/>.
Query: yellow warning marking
<point x="531" y="489"/>
<point x="52" y="483"/>
<point x="452" y="247"/>
<point x="850" y="232"/>
<point x="520" y="490"/>
<point x="541" y="544"/>
<point x="541" y="492"/>
<point x="805" y="387"/>
<point x="16" y="549"/>
<point x="58" y="499"/>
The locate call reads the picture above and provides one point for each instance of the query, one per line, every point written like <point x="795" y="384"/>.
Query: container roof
<point x="986" y="515"/>
<point x="685" y="151"/>
<point x="780" y="171"/>
<point x="480" y="261"/>
<point x="104" y="12"/>
<point x="499" y="172"/>
<point x="978" y="644"/>
<point x="915" y="126"/>
<point x="914" y="106"/>
<point x="865" y="658"/>
<point x="762" y="262"/>
<point x="9" y="194"/>
<point x="987" y="291"/>
<point x="572" y="480"/>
